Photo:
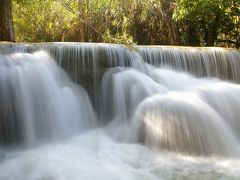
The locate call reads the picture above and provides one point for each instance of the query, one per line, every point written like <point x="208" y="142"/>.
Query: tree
<point x="209" y="19"/>
<point x="168" y="22"/>
<point x="45" y="20"/>
<point x="6" y="21"/>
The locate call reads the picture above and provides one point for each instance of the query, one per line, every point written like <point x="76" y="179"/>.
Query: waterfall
<point x="202" y="62"/>
<point x="87" y="62"/>
<point x="107" y="111"/>
<point x="172" y="110"/>
<point x="38" y="101"/>
<point x="95" y="58"/>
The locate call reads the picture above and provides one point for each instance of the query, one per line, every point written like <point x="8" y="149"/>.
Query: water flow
<point x="93" y="59"/>
<point x="173" y="111"/>
<point x="158" y="123"/>
<point x="202" y="62"/>
<point x="38" y="101"/>
<point x="87" y="62"/>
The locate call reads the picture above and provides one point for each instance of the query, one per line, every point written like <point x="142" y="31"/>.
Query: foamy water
<point x="95" y="155"/>
<point x="156" y="123"/>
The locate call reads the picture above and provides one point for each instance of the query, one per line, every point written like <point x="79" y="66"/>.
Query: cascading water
<point x="148" y="122"/>
<point x="38" y="101"/>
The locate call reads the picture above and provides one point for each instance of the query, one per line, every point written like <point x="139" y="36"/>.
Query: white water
<point x="95" y="155"/>
<point x="39" y="102"/>
<point x="173" y="111"/>
<point x="160" y="124"/>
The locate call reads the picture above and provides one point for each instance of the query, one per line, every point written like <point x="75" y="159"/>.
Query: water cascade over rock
<point x="38" y="101"/>
<point x="187" y="116"/>
<point x="201" y="62"/>
<point x="147" y="112"/>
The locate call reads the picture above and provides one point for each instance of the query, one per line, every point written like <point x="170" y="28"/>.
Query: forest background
<point x="143" y="22"/>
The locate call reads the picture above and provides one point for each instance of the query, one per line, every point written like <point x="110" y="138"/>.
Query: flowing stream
<point x="71" y="111"/>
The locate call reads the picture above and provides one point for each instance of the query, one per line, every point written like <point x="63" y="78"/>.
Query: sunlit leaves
<point x="175" y="22"/>
<point x="213" y="19"/>
<point x="42" y="20"/>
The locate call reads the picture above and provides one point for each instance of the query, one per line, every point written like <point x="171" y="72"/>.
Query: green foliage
<point x="117" y="38"/>
<point x="42" y="20"/>
<point x="105" y="20"/>
<point x="214" y="20"/>
<point x="170" y="22"/>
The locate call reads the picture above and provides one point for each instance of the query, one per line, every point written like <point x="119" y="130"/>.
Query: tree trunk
<point x="193" y="38"/>
<point x="210" y="37"/>
<point x="6" y="21"/>
<point x="82" y="20"/>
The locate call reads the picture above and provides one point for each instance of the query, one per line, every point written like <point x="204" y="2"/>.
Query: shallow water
<point x="94" y="155"/>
